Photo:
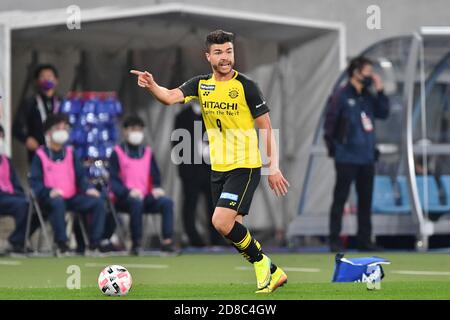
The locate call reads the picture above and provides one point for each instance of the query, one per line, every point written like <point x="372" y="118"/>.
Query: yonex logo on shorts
<point x="230" y="196"/>
<point x="207" y="86"/>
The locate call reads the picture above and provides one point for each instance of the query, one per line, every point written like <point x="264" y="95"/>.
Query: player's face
<point x="221" y="57"/>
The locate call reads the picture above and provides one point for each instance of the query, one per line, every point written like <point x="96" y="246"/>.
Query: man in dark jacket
<point x="59" y="181"/>
<point x="28" y="123"/>
<point x="136" y="185"/>
<point x="349" y="134"/>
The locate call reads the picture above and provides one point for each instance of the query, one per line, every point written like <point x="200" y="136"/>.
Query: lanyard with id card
<point x="366" y="122"/>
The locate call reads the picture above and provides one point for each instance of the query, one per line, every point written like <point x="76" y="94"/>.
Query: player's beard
<point x="217" y="68"/>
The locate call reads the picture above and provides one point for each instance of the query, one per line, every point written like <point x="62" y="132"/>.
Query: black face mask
<point x="367" y="81"/>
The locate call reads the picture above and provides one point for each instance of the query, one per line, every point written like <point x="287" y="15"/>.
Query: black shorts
<point x="234" y="189"/>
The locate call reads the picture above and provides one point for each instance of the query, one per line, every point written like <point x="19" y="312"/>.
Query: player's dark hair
<point x="2" y="131"/>
<point x="132" y="121"/>
<point x="54" y="119"/>
<point x="357" y="63"/>
<point x="218" y="37"/>
<point x="42" y="67"/>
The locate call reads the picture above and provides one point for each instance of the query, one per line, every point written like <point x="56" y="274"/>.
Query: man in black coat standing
<point x="28" y="123"/>
<point x="349" y="133"/>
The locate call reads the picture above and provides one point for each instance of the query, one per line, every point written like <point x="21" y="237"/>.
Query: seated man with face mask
<point x="136" y="184"/>
<point x="12" y="200"/>
<point x="59" y="183"/>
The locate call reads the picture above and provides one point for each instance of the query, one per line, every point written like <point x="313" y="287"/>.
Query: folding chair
<point x="152" y="219"/>
<point x="148" y="219"/>
<point x="70" y="226"/>
<point x="112" y="209"/>
<point x="4" y="229"/>
<point x="34" y="207"/>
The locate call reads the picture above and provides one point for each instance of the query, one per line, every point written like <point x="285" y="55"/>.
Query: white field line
<point x="294" y="269"/>
<point x="130" y="265"/>
<point x="421" y="273"/>
<point x="10" y="263"/>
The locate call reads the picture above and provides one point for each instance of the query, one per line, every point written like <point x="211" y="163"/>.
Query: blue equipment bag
<point x="358" y="269"/>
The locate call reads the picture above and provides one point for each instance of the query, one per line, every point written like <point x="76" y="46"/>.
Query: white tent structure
<point x="295" y="62"/>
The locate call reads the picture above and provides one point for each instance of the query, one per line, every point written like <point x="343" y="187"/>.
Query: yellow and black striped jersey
<point x="229" y="109"/>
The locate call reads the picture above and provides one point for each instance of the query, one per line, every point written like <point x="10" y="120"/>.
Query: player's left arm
<point x="277" y="182"/>
<point x="260" y="112"/>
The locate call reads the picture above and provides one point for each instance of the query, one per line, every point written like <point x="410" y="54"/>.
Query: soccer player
<point x="231" y="106"/>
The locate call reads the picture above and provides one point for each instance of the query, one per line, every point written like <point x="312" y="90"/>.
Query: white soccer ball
<point x="115" y="280"/>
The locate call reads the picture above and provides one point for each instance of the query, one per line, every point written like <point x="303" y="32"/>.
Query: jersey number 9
<point x="219" y="124"/>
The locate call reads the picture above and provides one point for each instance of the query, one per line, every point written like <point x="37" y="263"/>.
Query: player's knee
<point x="221" y="223"/>
<point x="217" y="223"/>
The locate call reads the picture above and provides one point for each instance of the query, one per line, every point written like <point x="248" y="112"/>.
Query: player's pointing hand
<point x="145" y="79"/>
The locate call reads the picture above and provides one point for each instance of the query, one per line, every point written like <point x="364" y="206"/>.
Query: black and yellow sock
<point x="244" y="243"/>
<point x="273" y="267"/>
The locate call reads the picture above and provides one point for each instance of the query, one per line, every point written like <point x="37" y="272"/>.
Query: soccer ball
<point x="115" y="281"/>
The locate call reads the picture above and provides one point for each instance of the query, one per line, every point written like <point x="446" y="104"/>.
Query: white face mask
<point x="60" y="136"/>
<point x="2" y="146"/>
<point x="135" y="137"/>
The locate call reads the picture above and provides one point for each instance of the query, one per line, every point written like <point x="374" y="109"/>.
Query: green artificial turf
<point x="223" y="276"/>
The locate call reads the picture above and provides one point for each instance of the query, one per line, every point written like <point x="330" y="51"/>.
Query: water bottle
<point x="92" y="151"/>
<point x="89" y="108"/>
<point x="103" y="110"/>
<point x="374" y="279"/>
<point x="109" y="147"/>
<point x="116" y="106"/>
<point x="92" y="136"/>
<point x="103" y="135"/>
<point x="71" y="107"/>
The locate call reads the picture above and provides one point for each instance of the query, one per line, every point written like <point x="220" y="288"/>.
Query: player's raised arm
<point x="276" y="180"/>
<point x="162" y="94"/>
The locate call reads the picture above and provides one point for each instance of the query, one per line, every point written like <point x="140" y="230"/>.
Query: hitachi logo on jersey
<point x="219" y="105"/>
<point x="210" y="87"/>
